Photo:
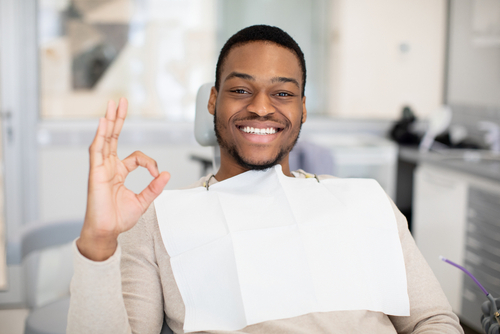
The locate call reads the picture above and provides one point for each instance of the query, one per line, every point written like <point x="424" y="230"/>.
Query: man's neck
<point x="229" y="168"/>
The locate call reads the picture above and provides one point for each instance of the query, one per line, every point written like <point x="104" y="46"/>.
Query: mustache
<point x="255" y="117"/>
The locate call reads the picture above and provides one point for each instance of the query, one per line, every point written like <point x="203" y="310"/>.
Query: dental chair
<point x="47" y="259"/>
<point x="204" y="126"/>
<point x="48" y="267"/>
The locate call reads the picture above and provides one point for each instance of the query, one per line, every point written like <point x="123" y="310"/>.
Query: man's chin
<point x="255" y="161"/>
<point x="257" y="165"/>
<point x="263" y="166"/>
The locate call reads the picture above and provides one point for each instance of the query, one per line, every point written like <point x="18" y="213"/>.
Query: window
<point x="157" y="53"/>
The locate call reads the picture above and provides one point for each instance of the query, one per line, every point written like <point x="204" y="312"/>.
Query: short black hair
<point x="263" y="33"/>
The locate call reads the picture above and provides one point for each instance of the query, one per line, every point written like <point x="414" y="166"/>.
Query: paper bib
<point x="263" y="246"/>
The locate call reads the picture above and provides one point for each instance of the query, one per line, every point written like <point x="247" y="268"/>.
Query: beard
<point x="232" y="150"/>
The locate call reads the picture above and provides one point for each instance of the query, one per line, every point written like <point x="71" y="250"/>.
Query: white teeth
<point x="258" y="131"/>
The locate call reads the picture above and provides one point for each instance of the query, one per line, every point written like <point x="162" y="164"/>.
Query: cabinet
<point x="457" y="215"/>
<point x="439" y="204"/>
<point x="362" y="156"/>
<point x="482" y="249"/>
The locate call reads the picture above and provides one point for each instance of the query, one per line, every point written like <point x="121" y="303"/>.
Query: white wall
<point x="371" y="77"/>
<point x="474" y="74"/>
<point x="305" y="21"/>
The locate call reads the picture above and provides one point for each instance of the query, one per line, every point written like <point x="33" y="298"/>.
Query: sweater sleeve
<point x="141" y="284"/>
<point x="96" y="304"/>
<point x="430" y="311"/>
<point x="121" y="295"/>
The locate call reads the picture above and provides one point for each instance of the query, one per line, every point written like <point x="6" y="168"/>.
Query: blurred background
<point x="403" y="91"/>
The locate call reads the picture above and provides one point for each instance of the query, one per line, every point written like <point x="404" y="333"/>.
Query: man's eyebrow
<point x="239" y="75"/>
<point x="285" y="79"/>
<point x="251" y="78"/>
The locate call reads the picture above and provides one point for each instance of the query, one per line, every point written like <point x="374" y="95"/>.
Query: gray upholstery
<point x="204" y="121"/>
<point x="52" y="319"/>
<point x="204" y="124"/>
<point x="166" y="329"/>
<point x="48" y="235"/>
<point x="36" y="239"/>
<point x="48" y="319"/>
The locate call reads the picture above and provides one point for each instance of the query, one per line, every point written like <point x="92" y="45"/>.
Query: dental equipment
<point x="494" y="312"/>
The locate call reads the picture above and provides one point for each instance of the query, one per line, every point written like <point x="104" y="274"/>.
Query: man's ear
<point x="304" y="110"/>
<point x="212" y="101"/>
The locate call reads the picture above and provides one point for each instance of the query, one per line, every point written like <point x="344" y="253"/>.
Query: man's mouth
<point x="259" y="131"/>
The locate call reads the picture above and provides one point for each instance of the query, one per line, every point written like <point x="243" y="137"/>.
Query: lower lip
<point x="259" y="139"/>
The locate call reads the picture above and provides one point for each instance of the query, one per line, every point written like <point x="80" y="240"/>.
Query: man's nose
<point x="261" y="104"/>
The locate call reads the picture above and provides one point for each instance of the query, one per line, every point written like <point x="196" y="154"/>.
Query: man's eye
<point x="283" y="94"/>
<point x="240" y="91"/>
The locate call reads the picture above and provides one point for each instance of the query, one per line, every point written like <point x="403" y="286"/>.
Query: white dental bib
<point x="263" y="246"/>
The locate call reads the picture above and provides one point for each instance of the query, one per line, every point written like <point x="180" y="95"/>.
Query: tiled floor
<point x="12" y="321"/>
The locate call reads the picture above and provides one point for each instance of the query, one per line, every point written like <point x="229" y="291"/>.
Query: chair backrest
<point x="48" y="260"/>
<point x="204" y="123"/>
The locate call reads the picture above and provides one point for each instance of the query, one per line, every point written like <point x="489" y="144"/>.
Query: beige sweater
<point x="135" y="289"/>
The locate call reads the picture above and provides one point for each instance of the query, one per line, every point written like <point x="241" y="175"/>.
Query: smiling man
<point x="258" y="102"/>
<point x="127" y="282"/>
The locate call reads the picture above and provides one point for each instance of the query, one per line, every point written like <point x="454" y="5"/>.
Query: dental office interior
<point x="403" y="91"/>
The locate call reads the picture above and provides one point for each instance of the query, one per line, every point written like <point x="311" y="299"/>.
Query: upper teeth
<point x="249" y="129"/>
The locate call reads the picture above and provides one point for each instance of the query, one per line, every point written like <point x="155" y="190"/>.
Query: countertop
<point x="479" y="163"/>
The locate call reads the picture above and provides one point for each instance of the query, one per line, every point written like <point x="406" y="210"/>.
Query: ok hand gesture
<point x="111" y="207"/>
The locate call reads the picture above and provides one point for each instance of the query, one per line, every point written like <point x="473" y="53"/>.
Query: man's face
<point x="259" y="109"/>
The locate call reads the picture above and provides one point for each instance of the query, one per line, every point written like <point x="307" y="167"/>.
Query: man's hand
<point x="112" y="208"/>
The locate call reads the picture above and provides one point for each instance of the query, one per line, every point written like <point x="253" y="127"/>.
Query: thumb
<point x="148" y="195"/>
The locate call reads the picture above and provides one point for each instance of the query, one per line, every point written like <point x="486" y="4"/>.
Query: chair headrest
<point x="204" y="121"/>
<point x="49" y="234"/>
